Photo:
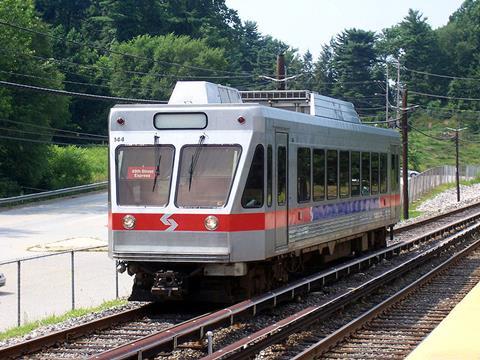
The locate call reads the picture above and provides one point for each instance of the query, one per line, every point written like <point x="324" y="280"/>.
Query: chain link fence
<point x="424" y="182"/>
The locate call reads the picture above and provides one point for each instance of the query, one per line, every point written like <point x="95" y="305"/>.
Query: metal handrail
<point x="55" y="253"/>
<point x="45" y="194"/>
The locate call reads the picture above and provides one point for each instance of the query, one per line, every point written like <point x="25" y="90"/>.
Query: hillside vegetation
<point x="139" y="49"/>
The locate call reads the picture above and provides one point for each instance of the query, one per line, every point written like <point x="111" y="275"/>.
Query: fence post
<point x="116" y="281"/>
<point x="73" y="278"/>
<point x="18" y="293"/>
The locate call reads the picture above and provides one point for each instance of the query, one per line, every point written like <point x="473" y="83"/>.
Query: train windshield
<point x="206" y="175"/>
<point x="144" y="174"/>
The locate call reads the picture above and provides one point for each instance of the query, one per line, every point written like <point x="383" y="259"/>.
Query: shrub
<point x="68" y="166"/>
<point x="8" y="188"/>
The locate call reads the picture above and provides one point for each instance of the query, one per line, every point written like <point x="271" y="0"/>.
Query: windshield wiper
<point x="195" y="157"/>
<point x="157" y="168"/>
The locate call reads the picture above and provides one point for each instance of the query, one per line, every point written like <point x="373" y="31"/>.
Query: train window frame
<point x="336" y="174"/>
<point x="260" y="205"/>
<point x="362" y="191"/>
<point x="374" y="186"/>
<point x="308" y="178"/>
<point x="347" y="178"/>
<point x="269" y="174"/>
<point x="284" y="202"/>
<point x="322" y="175"/>
<point x="180" y="113"/>
<point x="383" y="173"/>
<point x="172" y="169"/>
<point x="359" y="167"/>
<point x="227" y="199"/>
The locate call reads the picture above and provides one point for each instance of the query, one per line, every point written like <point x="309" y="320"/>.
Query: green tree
<point x="323" y="72"/>
<point x="416" y="45"/>
<point x="353" y="63"/>
<point x="164" y="59"/>
<point x="22" y="162"/>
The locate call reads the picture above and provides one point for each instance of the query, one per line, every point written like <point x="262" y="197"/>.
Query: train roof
<point x="289" y="105"/>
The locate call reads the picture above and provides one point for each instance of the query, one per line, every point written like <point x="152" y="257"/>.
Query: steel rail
<point x="252" y="344"/>
<point x="39" y="343"/>
<point x="430" y="219"/>
<point x="46" y="194"/>
<point x="169" y="340"/>
<point x="333" y="339"/>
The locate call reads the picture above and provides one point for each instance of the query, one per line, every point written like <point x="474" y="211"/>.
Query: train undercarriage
<point x="227" y="283"/>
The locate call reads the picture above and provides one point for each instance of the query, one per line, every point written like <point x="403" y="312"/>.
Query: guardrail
<point x="46" y="194"/>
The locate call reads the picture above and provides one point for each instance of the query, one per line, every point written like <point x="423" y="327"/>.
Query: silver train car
<point x="220" y="194"/>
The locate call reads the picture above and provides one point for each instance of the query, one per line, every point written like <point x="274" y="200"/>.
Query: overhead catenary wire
<point x="53" y="129"/>
<point x="427" y="135"/>
<point x="105" y="49"/>
<point x="51" y="135"/>
<point x="441" y="76"/>
<point x="78" y="94"/>
<point x="44" y="141"/>
<point x="444" y="96"/>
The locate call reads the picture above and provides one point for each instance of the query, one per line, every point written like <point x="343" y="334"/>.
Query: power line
<point x="78" y="94"/>
<point x="42" y="141"/>
<point x="442" y="76"/>
<point x="427" y="135"/>
<point x="51" y="128"/>
<point x="50" y="135"/>
<point x="104" y="49"/>
<point x="445" y="110"/>
<point x="443" y="96"/>
<point x="63" y="81"/>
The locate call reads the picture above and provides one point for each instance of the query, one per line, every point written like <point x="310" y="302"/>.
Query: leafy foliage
<point x="140" y="48"/>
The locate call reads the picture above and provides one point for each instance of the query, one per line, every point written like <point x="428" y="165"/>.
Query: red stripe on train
<point x="192" y="222"/>
<point x="228" y="222"/>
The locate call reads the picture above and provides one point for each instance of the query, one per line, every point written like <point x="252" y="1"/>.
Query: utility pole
<point x="386" y="95"/>
<point x="457" y="166"/>
<point x="398" y="88"/>
<point x="405" y="154"/>
<point x="281" y="72"/>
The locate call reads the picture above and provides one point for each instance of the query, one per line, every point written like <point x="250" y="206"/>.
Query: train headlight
<point x="129" y="222"/>
<point x="211" y="222"/>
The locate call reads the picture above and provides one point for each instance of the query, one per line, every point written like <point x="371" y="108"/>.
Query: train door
<point x="281" y="190"/>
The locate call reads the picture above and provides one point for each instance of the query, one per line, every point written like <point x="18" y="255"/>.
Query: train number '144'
<point x="118" y="139"/>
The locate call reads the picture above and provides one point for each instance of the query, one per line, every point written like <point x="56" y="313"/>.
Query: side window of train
<point x="355" y="176"/>
<point x="318" y="174"/>
<point x="383" y="173"/>
<point x="253" y="194"/>
<point x="269" y="175"/>
<point x="281" y="175"/>
<point x="375" y="173"/>
<point x="332" y="174"/>
<point x="393" y="178"/>
<point x="397" y="172"/>
<point x="344" y="174"/>
<point x="303" y="174"/>
<point x="365" y="173"/>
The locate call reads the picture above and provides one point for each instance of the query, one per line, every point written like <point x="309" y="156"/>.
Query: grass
<point x="426" y="153"/>
<point x="55" y="319"/>
<point x="98" y="158"/>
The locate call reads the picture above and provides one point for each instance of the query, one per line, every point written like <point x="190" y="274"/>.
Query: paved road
<point x="58" y="224"/>
<point x="80" y="217"/>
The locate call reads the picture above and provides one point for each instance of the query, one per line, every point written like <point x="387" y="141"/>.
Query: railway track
<point x="168" y="335"/>
<point x="396" y="326"/>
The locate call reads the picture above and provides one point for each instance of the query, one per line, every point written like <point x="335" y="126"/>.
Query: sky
<point x="308" y="24"/>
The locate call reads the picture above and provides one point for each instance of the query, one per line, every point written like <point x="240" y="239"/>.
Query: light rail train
<point x="222" y="194"/>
